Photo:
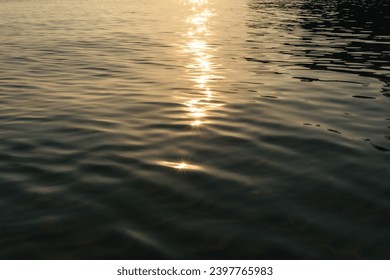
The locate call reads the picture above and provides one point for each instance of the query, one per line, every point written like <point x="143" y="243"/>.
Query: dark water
<point x="245" y="129"/>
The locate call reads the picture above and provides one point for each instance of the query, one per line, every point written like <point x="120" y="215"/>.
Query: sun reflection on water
<point x="200" y="70"/>
<point x="180" y="165"/>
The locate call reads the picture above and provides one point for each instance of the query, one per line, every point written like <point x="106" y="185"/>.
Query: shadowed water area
<point x="245" y="129"/>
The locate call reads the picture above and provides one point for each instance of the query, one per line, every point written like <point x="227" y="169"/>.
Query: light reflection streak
<point x="201" y="70"/>
<point x="179" y="165"/>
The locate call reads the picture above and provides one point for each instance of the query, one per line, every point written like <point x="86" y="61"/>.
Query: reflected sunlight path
<point x="201" y="69"/>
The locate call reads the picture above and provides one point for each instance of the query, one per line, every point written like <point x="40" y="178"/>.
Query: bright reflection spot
<point x="196" y="123"/>
<point x="202" y="81"/>
<point x="181" y="165"/>
<point x="198" y="114"/>
<point x="204" y="64"/>
<point x="197" y="45"/>
<point x="198" y="20"/>
<point x="209" y="94"/>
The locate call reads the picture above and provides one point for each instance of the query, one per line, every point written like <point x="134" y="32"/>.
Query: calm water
<point x="194" y="129"/>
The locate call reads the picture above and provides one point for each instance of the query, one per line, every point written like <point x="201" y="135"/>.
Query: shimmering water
<point x="244" y="129"/>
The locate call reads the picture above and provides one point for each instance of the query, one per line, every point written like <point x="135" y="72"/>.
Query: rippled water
<point x="244" y="129"/>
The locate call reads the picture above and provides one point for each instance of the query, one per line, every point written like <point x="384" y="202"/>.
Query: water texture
<point x="194" y="129"/>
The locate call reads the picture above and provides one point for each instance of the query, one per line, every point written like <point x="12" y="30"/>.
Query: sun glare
<point x="200" y="71"/>
<point x="179" y="165"/>
<point x="202" y="68"/>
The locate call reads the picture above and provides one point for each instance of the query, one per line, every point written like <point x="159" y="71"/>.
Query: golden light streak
<point x="202" y="69"/>
<point x="180" y="165"/>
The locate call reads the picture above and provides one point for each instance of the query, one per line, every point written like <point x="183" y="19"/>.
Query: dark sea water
<point x="194" y="129"/>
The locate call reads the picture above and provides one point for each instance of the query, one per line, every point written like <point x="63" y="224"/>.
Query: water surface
<point x="246" y="129"/>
